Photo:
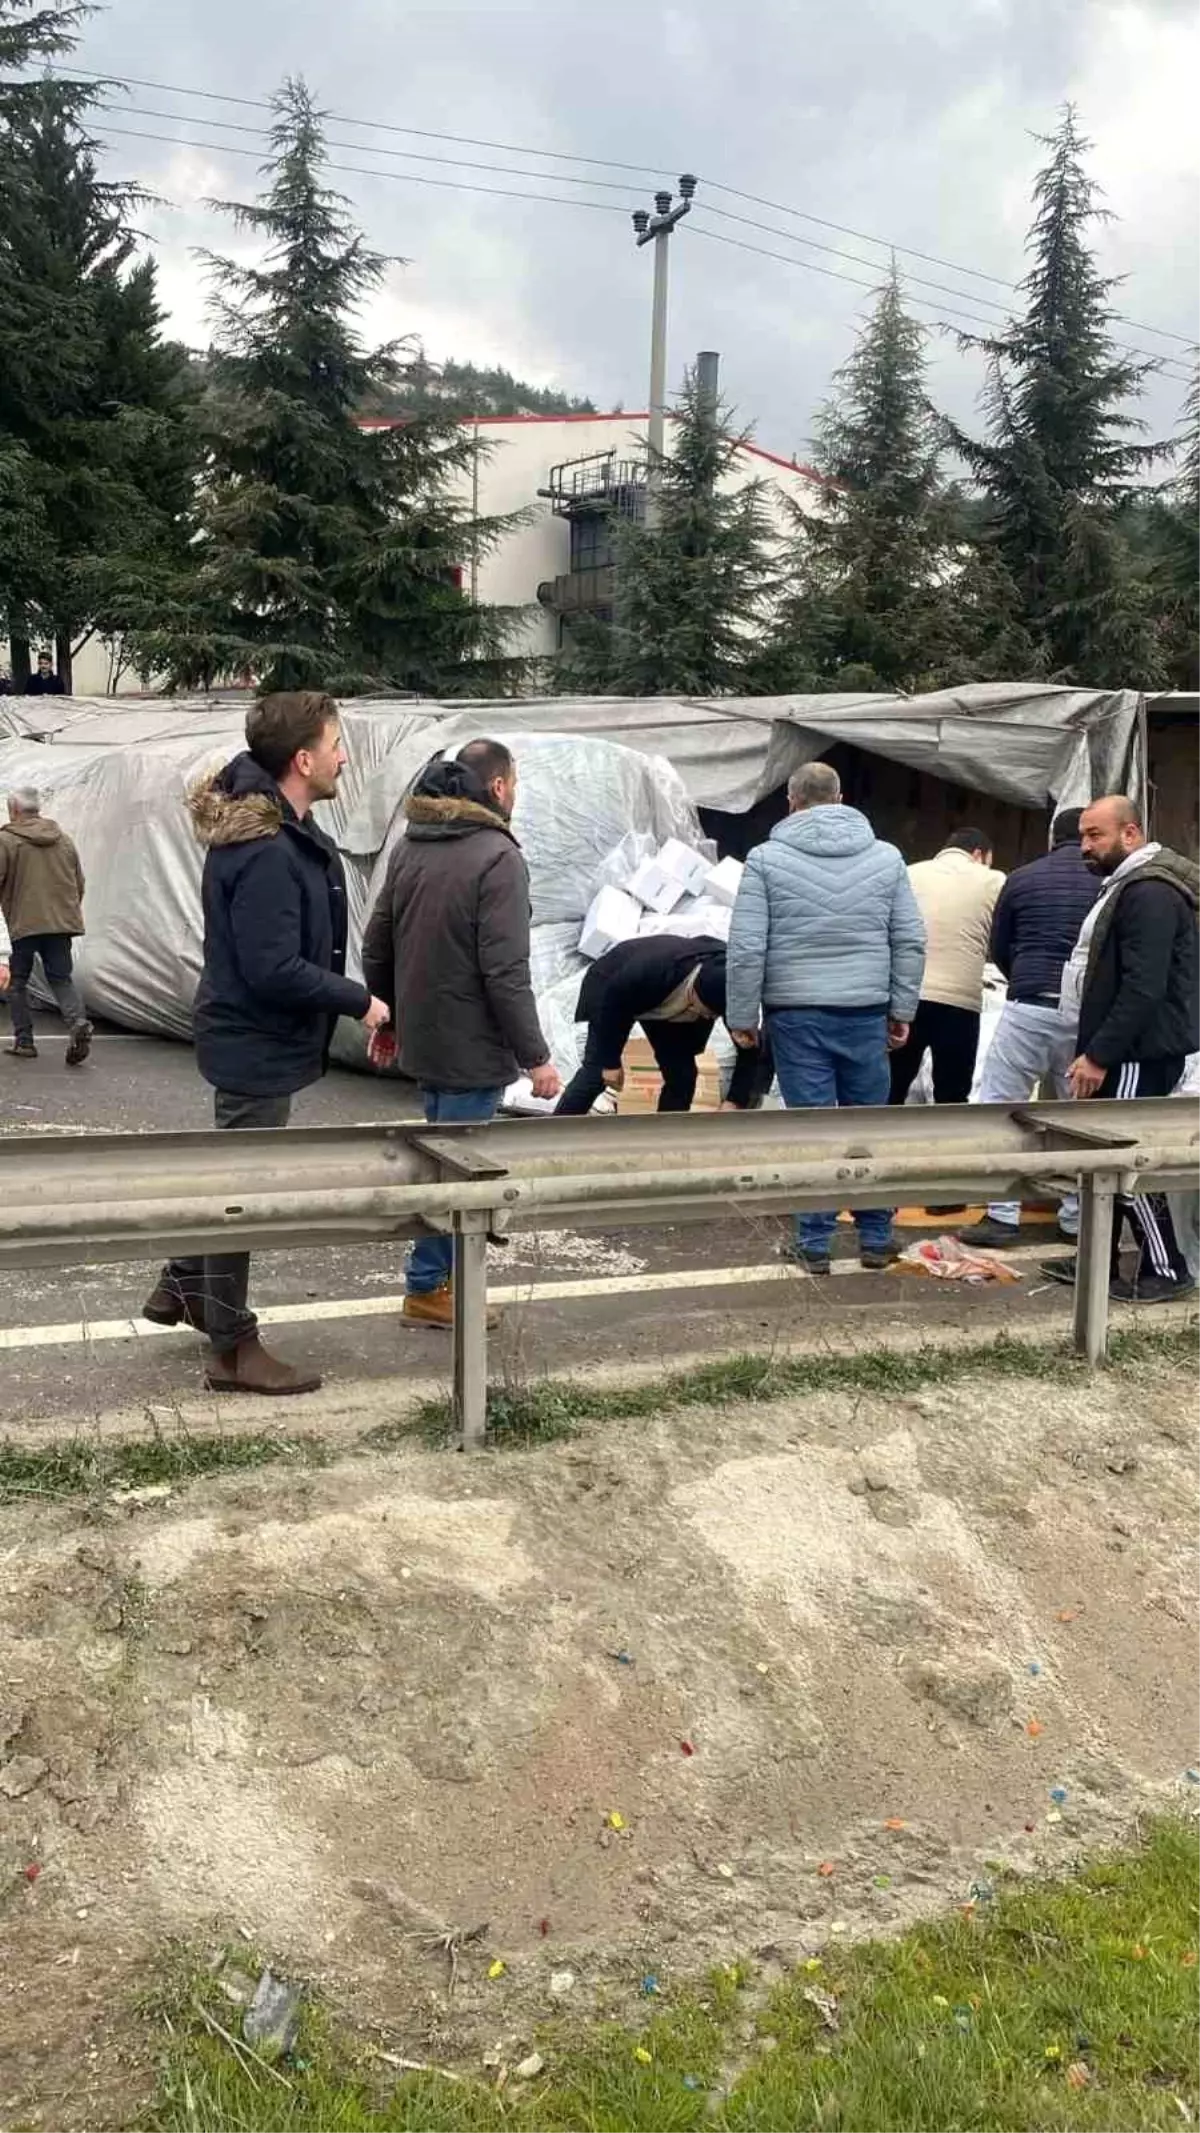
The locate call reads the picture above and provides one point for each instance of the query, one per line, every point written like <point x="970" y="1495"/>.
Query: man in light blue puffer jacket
<point x="827" y="944"/>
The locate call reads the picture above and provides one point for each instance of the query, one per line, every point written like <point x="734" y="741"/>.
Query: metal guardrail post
<point x="470" y="1327"/>
<point x="1093" y="1265"/>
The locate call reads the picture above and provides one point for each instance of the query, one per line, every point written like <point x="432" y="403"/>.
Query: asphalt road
<point x="71" y="1342"/>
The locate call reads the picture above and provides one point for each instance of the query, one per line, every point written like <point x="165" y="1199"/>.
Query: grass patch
<point x="552" y="1408"/>
<point x="82" y="1465"/>
<point x="1055" y="2008"/>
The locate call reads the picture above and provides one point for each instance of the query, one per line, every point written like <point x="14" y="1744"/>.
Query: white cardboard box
<point x="654" y="887"/>
<point x="614" y="916"/>
<point x="685" y="864"/>
<point x="693" y="917"/>
<point x="724" y="881"/>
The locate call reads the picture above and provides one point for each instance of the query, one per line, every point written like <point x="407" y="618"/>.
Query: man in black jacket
<point x="675" y="987"/>
<point x="271" y="989"/>
<point x="1034" y="928"/>
<point x="1135" y="975"/>
<point x="45" y="682"/>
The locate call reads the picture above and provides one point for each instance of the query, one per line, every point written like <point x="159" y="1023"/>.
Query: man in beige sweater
<point x="956" y="894"/>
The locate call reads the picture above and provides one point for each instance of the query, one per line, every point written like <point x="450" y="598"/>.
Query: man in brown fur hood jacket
<point x="447" y="947"/>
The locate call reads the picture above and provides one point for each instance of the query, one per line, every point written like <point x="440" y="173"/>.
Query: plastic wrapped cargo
<point x="123" y="800"/>
<point x="117" y="780"/>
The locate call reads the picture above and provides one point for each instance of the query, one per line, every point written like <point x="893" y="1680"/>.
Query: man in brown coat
<point x="447" y="947"/>
<point x="41" y="896"/>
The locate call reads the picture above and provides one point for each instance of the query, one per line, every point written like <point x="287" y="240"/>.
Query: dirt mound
<point x="623" y="1700"/>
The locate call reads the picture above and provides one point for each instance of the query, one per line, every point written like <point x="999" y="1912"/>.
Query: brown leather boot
<point x="251" y="1368"/>
<point x="165" y="1306"/>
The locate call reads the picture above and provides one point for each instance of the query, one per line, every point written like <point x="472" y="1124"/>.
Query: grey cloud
<point x="908" y="118"/>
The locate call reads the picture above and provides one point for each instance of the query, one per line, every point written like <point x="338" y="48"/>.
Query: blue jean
<point x="833" y="1056"/>
<point x="431" y="1261"/>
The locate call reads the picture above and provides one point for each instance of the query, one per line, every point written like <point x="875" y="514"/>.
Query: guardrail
<point x="125" y="1196"/>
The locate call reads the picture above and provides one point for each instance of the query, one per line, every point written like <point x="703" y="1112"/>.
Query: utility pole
<point x="658" y="227"/>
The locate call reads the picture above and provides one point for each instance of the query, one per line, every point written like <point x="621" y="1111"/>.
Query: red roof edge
<point x="775" y="459"/>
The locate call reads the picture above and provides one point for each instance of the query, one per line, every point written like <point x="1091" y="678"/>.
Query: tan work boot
<point x="432" y="1307"/>
<point x="251" y="1368"/>
<point x="435" y="1307"/>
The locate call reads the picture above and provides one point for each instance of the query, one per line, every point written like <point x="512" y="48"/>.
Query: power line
<point x="360" y="170"/>
<point x="924" y="302"/>
<point x="810" y="266"/>
<point x="416" y="133"/>
<point x="910" y="279"/>
<point x="607" y="163"/>
<point x="875" y="265"/>
<point x="508" y="148"/>
<point x="506" y="192"/>
<point x="403" y="155"/>
<point x="932" y="259"/>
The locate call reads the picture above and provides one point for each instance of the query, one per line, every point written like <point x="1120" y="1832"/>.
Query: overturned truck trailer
<point x="593" y="770"/>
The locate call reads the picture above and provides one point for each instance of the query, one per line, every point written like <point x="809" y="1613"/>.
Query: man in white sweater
<point x="956" y="894"/>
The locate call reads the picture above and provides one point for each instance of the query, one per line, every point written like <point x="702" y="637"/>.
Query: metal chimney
<point x="708" y="364"/>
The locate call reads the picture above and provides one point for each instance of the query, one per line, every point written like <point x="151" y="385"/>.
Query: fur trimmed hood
<point x="448" y="800"/>
<point x="237" y="805"/>
<point x="450" y="814"/>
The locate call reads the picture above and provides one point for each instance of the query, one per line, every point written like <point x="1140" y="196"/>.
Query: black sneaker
<point x="990" y="1235"/>
<point x="1060" y="1270"/>
<point x="1149" y="1289"/>
<point x="23" y="1048"/>
<point x="79" y="1044"/>
<point x="876" y="1259"/>
<point x="806" y="1262"/>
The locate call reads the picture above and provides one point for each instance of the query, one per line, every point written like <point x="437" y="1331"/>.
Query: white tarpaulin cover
<point x="592" y="771"/>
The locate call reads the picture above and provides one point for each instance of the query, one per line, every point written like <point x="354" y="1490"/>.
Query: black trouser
<point x="55" y="952"/>
<point x="222" y="1280"/>
<point x="1147" y="1213"/>
<point x="675" y="1045"/>
<point x="952" y="1035"/>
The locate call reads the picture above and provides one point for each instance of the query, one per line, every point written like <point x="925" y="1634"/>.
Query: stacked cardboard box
<point x="643" y="1082"/>
<point x="666" y="891"/>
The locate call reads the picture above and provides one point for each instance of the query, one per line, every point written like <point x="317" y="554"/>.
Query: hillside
<point x="464" y="389"/>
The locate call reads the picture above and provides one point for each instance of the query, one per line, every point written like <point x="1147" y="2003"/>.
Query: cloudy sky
<point x="909" y="121"/>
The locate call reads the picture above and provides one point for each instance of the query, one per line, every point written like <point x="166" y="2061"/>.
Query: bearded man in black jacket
<point x="1135" y="977"/>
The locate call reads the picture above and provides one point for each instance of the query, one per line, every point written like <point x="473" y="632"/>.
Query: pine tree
<point x="1170" y="534"/>
<point x="1060" y="462"/>
<point x="328" y="556"/>
<point x="885" y="590"/>
<point x="92" y="445"/>
<point x="692" y="592"/>
<point x="33" y="31"/>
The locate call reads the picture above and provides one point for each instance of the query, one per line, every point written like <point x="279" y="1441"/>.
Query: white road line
<point x="522" y="1292"/>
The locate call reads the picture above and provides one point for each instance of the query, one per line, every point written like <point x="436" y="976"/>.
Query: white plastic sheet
<point x="593" y="772"/>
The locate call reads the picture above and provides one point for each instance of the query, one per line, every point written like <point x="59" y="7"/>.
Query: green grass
<point x="548" y="1409"/>
<point x="553" y="1408"/>
<point x="82" y="1465"/>
<point x="1054" y="2008"/>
